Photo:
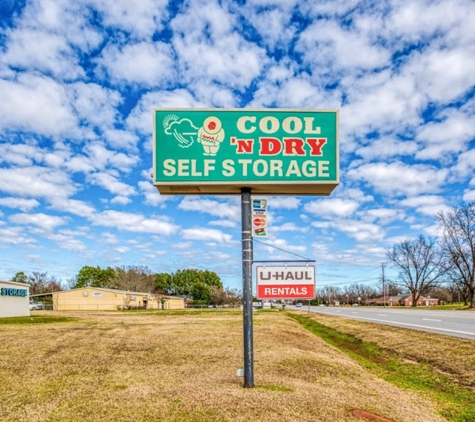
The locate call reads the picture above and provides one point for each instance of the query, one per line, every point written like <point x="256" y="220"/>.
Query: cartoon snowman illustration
<point x="210" y="135"/>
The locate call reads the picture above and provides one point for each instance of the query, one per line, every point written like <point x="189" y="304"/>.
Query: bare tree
<point x="39" y="283"/>
<point x="134" y="278"/>
<point x="458" y="225"/>
<point x="330" y="294"/>
<point x="421" y="264"/>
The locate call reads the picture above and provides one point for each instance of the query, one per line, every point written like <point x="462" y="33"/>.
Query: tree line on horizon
<point x="442" y="267"/>
<point x="204" y="287"/>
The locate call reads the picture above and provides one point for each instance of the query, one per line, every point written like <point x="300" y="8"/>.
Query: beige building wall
<point x="12" y="305"/>
<point x="98" y="299"/>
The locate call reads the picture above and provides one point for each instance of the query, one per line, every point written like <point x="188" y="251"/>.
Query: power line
<point x="282" y="250"/>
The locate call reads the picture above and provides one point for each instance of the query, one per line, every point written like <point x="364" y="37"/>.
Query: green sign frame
<point x="221" y="151"/>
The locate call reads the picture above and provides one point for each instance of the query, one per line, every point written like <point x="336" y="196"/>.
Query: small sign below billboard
<point x="286" y="283"/>
<point x="259" y="217"/>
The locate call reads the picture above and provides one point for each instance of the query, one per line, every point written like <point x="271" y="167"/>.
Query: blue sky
<point x="79" y="80"/>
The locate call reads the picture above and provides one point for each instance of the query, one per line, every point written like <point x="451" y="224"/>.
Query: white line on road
<point x="416" y="326"/>
<point x="430" y="319"/>
<point x="382" y="315"/>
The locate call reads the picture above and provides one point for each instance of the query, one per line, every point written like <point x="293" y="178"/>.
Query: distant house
<point x="406" y="300"/>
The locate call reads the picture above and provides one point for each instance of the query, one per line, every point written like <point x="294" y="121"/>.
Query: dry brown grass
<point x="163" y="367"/>
<point x="449" y="355"/>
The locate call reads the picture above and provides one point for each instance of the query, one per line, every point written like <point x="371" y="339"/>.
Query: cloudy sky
<point x="79" y="80"/>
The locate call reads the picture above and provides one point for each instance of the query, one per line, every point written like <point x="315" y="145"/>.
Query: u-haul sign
<point x="285" y="283"/>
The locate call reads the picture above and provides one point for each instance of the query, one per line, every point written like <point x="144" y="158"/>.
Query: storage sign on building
<point x="14" y="299"/>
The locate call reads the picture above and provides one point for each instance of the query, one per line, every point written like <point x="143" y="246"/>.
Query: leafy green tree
<point x="94" y="277"/>
<point x="201" y="293"/>
<point x="163" y="283"/>
<point x="183" y="281"/>
<point x="20" y="277"/>
<point x="211" y="279"/>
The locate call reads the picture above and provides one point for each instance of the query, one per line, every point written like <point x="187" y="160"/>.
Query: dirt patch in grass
<point x="182" y="367"/>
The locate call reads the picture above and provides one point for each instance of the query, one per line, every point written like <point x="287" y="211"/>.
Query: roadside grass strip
<point x="35" y="319"/>
<point x="453" y="401"/>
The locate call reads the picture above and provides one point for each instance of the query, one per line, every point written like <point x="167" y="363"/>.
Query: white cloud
<point x="67" y="242"/>
<point x="358" y="230"/>
<point x="141" y="19"/>
<point x="332" y="207"/>
<point x="465" y="164"/>
<point x="96" y="106"/>
<point x="147" y="64"/>
<point x="397" y="178"/>
<point x="36" y="182"/>
<point x="137" y="223"/>
<point x="209" y="50"/>
<point x="444" y="74"/>
<point x="20" y="203"/>
<point x="411" y="21"/>
<point x="426" y="204"/>
<point x="99" y="158"/>
<point x="47" y="52"/>
<point x="141" y="117"/>
<point x="469" y="195"/>
<point x="283" y="202"/>
<point x="112" y="184"/>
<point x="229" y="209"/>
<point x="287" y="227"/>
<point x="326" y="44"/>
<point x="450" y="135"/>
<point x="73" y="206"/>
<point x="152" y="196"/>
<point x="206" y="235"/>
<point x="15" y="236"/>
<point x="43" y="221"/>
<point x="383" y="215"/>
<point x="35" y="104"/>
<point x="386" y="148"/>
<point x="121" y="139"/>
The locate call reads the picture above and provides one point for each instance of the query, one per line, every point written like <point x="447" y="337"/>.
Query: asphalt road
<point x="451" y="323"/>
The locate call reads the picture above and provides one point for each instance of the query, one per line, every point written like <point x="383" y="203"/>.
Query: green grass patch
<point x="35" y="319"/>
<point x="454" y="402"/>
<point x="274" y="388"/>
<point x="178" y="312"/>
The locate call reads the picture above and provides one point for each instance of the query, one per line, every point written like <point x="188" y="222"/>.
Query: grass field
<point x="181" y="366"/>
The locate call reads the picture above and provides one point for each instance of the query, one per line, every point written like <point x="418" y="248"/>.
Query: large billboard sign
<point x="286" y="283"/>
<point x="220" y="151"/>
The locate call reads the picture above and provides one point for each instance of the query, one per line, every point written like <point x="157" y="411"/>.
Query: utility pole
<point x="384" y="288"/>
<point x="247" y="258"/>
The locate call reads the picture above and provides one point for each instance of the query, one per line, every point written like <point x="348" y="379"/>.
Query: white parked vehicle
<point x="36" y="306"/>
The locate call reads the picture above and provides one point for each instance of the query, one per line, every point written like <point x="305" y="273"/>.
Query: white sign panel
<point x="286" y="283"/>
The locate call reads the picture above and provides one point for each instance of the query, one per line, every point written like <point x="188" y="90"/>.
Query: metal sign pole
<point x="247" y="287"/>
